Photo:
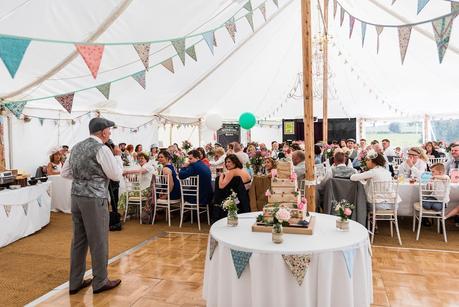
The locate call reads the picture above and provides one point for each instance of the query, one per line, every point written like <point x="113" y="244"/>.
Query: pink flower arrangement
<point x="268" y="193"/>
<point x="282" y="215"/>
<point x="302" y="204"/>
<point x="274" y="172"/>
<point x="347" y="212"/>
<point x="293" y="176"/>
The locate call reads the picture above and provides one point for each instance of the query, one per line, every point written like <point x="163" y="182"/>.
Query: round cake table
<point x="329" y="268"/>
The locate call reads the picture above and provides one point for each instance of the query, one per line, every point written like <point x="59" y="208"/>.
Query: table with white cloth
<point x="61" y="193"/>
<point x="409" y="194"/>
<point x="336" y="266"/>
<point x="24" y="211"/>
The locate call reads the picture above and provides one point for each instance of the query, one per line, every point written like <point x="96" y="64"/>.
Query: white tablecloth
<point x="23" y="211"/>
<point x="267" y="281"/>
<point x="61" y="197"/>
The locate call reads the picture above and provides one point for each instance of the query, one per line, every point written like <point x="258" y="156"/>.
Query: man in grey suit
<point x="92" y="165"/>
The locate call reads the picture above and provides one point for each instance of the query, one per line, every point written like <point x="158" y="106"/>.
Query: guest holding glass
<point x="453" y="161"/>
<point x="415" y="165"/>
<point x="219" y="158"/>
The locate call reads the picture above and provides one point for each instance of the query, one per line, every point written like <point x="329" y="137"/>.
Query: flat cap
<point x="99" y="124"/>
<point x="350" y="140"/>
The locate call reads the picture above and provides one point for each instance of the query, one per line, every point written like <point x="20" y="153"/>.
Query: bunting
<point x="169" y="64"/>
<point x="66" y="101"/>
<point x="349" y="256"/>
<point x="404" y="34"/>
<point x="25" y="207"/>
<point x="363" y="28"/>
<point x="143" y="50"/>
<point x="140" y="78"/>
<point x="454" y="7"/>
<point x="298" y="265"/>
<point x="7" y="209"/>
<point x="210" y="40"/>
<point x="263" y="10"/>
<point x="351" y="25"/>
<point x="442" y="32"/>
<point x="105" y="89"/>
<point x="92" y="55"/>
<point x="248" y="6"/>
<point x="422" y="4"/>
<point x="231" y="27"/>
<point x="16" y="107"/>
<point x="179" y="46"/>
<point x="192" y="53"/>
<point x="39" y="200"/>
<point x="240" y="261"/>
<point x="41" y="121"/>
<point x="249" y="18"/>
<point x="379" y="30"/>
<point x="276" y="3"/>
<point x="12" y="52"/>
<point x="335" y="4"/>
<point x="212" y="246"/>
<point x="341" y="16"/>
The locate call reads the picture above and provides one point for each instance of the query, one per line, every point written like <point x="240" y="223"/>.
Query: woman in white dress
<point x="54" y="166"/>
<point x="415" y="165"/>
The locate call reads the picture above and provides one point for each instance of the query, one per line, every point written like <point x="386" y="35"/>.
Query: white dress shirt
<point x="415" y="171"/>
<point x="111" y="165"/>
<point x="243" y="157"/>
<point x="377" y="173"/>
<point x="220" y="163"/>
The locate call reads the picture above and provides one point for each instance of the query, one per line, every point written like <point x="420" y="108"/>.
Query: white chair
<point x="434" y="191"/>
<point x="134" y="194"/>
<point x="433" y="161"/>
<point x="384" y="206"/>
<point x="190" y="189"/>
<point x="397" y="161"/>
<point x="319" y="171"/>
<point x="162" y="187"/>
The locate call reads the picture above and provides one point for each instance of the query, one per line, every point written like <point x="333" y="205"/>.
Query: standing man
<point x="92" y="165"/>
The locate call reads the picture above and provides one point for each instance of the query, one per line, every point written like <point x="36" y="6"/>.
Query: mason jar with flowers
<point x="343" y="209"/>
<point x="230" y="205"/>
<point x="280" y="217"/>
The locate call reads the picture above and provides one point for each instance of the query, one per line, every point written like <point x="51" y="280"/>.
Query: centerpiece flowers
<point x="186" y="145"/>
<point x="230" y="205"/>
<point x="343" y="209"/>
<point x="280" y="217"/>
<point x="256" y="161"/>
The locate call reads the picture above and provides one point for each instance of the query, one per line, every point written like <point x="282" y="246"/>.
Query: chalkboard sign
<point x="229" y="133"/>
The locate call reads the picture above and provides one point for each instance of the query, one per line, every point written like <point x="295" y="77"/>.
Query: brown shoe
<point x="86" y="283"/>
<point x="108" y="286"/>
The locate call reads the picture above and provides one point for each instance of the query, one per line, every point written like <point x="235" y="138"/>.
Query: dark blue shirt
<point x="175" y="193"/>
<point x="205" y="180"/>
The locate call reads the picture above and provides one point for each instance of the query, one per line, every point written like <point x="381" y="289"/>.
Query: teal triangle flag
<point x="212" y="246"/>
<point x="240" y="261"/>
<point x="248" y="6"/>
<point x="12" y="51"/>
<point x="16" y="107"/>
<point x="442" y="32"/>
<point x="422" y="4"/>
<point x="179" y="46"/>
<point x="349" y="256"/>
<point x="191" y="53"/>
<point x="140" y="78"/>
<point x="105" y="89"/>
<point x="363" y="31"/>
<point x="209" y="38"/>
<point x="249" y="18"/>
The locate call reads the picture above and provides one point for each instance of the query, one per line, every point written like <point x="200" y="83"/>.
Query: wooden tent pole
<point x="325" y="75"/>
<point x="308" y="103"/>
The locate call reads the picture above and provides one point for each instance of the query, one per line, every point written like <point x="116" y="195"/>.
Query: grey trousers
<point x="90" y="220"/>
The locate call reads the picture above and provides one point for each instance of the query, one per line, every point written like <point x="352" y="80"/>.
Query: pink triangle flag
<point x="66" y="101"/>
<point x="140" y="78"/>
<point x="335" y="4"/>
<point x="404" y="34"/>
<point x="351" y="25"/>
<point x="143" y="50"/>
<point x="379" y="30"/>
<point x="92" y="55"/>
<point x="169" y="64"/>
<point x="263" y="10"/>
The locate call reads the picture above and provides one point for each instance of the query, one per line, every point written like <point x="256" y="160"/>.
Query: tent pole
<point x="308" y="103"/>
<point x="325" y="75"/>
<point x="200" y="132"/>
<point x="426" y="134"/>
<point x="170" y="134"/>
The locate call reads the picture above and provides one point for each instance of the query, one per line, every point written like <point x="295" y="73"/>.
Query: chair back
<point x="190" y="188"/>
<point x="384" y="192"/>
<point x="161" y="183"/>
<point x="434" y="190"/>
<point x="433" y="161"/>
<point x="319" y="171"/>
<point x="397" y="161"/>
<point x="132" y="182"/>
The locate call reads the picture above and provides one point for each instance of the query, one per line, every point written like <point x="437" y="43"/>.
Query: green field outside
<point x="396" y="139"/>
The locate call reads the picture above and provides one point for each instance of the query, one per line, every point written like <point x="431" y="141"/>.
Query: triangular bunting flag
<point x="140" y="78"/>
<point x="335" y="4"/>
<point x="179" y="46"/>
<point x="393" y="1"/>
<point x="276" y="3"/>
<point x="240" y="260"/>
<point x="192" y="53"/>
<point x="455" y="7"/>
<point x="16" y="107"/>
<point x="12" y="51"/>
<point x="248" y="6"/>
<point x="249" y="18"/>
<point x="231" y="27"/>
<point x="351" y="25"/>
<point x="169" y="64"/>
<point x="442" y="32"/>
<point x="209" y="38"/>
<point x="92" y="55"/>
<point x="263" y="10"/>
<point x="7" y="210"/>
<point x="349" y="256"/>
<point x="143" y="50"/>
<point x="105" y="89"/>
<point x="379" y="30"/>
<point x="212" y="246"/>
<point x="363" y="31"/>
<point x="298" y="265"/>
<point x="66" y="101"/>
<point x="41" y="121"/>
<point x="341" y="16"/>
<point x="25" y="207"/>
<point x="422" y="4"/>
<point x="404" y="34"/>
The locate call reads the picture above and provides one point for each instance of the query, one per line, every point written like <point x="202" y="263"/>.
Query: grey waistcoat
<point x="342" y="171"/>
<point x="88" y="177"/>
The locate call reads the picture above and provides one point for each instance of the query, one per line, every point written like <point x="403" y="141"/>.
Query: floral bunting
<point x="248" y="6"/>
<point x="210" y="40"/>
<point x="335" y="4"/>
<point x="191" y="51"/>
<point x="249" y="18"/>
<point x="140" y="78"/>
<point x="12" y="52"/>
<point x="25" y="207"/>
<point x="16" y="107"/>
<point x="179" y="46"/>
<point x="231" y="27"/>
<point x="341" y="16"/>
<point x="263" y="10"/>
<point x="349" y="256"/>
<point x="276" y="3"/>
<point x="66" y="101"/>
<point x="298" y="265"/>
<point x="379" y="30"/>
<point x="169" y="64"/>
<point x="212" y="246"/>
<point x="351" y="25"/>
<point x="143" y="50"/>
<point x="363" y="30"/>
<point x="7" y="209"/>
<point x="422" y="4"/>
<point x="105" y="89"/>
<point x="240" y="261"/>
<point x="41" y="121"/>
<point x="404" y="34"/>
<point x="454" y="7"/>
<point x="442" y="32"/>
<point x="92" y="55"/>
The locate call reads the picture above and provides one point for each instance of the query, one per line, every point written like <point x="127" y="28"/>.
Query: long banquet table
<point x="338" y="266"/>
<point x="24" y="211"/>
<point x="61" y="193"/>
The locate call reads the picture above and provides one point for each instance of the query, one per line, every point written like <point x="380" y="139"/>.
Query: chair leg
<point x="373" y="228"/>
<point x="208" y="215"/>
<point x="191" y="212"/>
<point x="414" y="221"/>
<point x="391" y="228"/>
<point x="444" y="229"/>
<point x="126" y="207"/>
<point x="169" y="214"/>
<point x="438" y="225"/>
<point x="199" y="220"/>
<point x="419" y="226"/>
<point x="140" y="210"/>
<point x="154" y="216"/>
<point x="397" y="230"/>
<point x="181" y="214"/>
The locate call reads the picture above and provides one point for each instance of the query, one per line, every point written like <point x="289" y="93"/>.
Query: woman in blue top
<point x="165" y="158"/>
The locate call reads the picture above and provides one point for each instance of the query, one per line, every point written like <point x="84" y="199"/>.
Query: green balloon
<point x="247" y="120"/>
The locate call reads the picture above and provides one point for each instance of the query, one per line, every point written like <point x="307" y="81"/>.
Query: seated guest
<point x="317" y="154"/>
<point x="379" y="149"/>
<point x="352" y="154"/>
<point x="145" y="170"/>
<point x="415" y="165"/>
<point x="453" y="161"/>
<point x="197" y="168"/>
<point x="55" y="164"/>
<point x="165" y="160"/>
<point x="234" y="169"/>
<point x="329" y="162"/>
<point x="203" y="156"/>
<point x="219" y="158"/>
<point x="138" y="149"/>
<point x="298" y="165"/>
<point x="431" y="152"/>
<point x="339" y="169"/>
<point x="154" y="150"/>
<point x="269" y="164"/>
<point x="439" y="182"/>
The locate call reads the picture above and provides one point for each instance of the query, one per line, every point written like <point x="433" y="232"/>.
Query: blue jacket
<point x="205" y="180"/>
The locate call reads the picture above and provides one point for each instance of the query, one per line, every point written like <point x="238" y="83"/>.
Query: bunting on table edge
<point x="16" y="107"/>
<point x="349" y="256"/>
<point x="66" y="101"/>
<point x="212" y="246"/>
<point x="92" y="55"/>
<point x="404" y="34"/>
<point x="140" y="78"/>
<point x="7" y="209"/>
<point x="12" y="52"/>
<point x="169" y="65"/>
<point x="191" y="51"/>
<point x="143" y="50"/>
<point x="25" y="207"/>
<point x="240" y="261"/>
<point x="179" y="46"/>
<point x="298" y="265"/>
<point x="105" y="89"/>
<point x="442" y="33"/>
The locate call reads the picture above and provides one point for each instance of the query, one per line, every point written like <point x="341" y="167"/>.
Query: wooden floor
<point x="169" y="272"/>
